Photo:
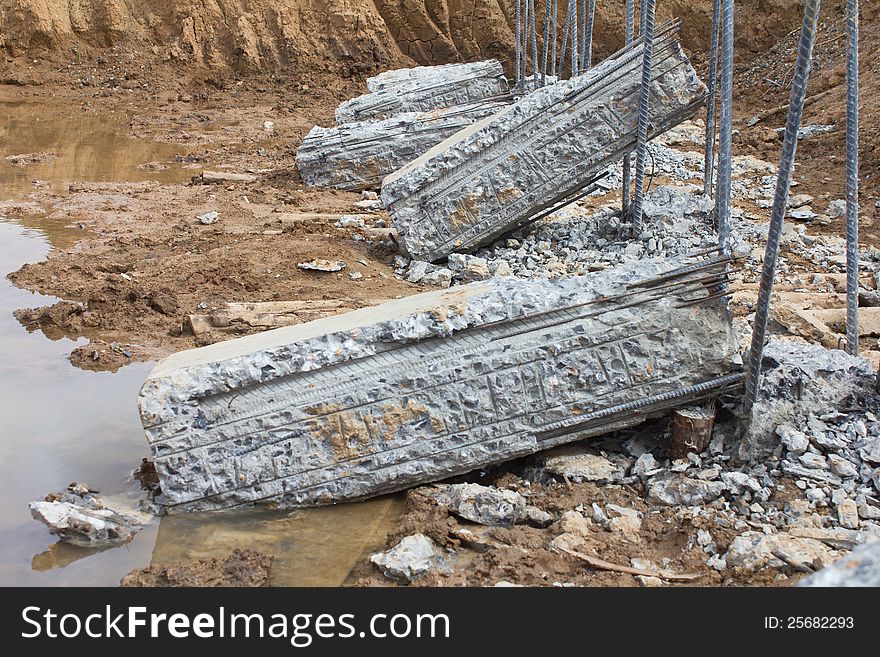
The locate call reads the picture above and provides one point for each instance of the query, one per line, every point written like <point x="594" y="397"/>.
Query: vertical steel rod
<point x="546" y="44"/>
<point x="525" y="38"/>
<point x="554" y="30"/>
<point x="534" y="33"/>
<point x="780" y="200"/>
<point x="725" y="144"/>
<point x="709" y="161"/>
<point x="643" y="18"/>
<point x="583" y="37"/>
<point x="575" y="51"/>
<point x="587" y="59"/>
<point x="566" y="33"/>
<point x="644" y="117"/>
<point x="852" y="177"/>
<point x="627" y="162"/>
<point x="518" y="40"/>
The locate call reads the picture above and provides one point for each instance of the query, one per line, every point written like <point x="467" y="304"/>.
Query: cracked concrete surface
<point x="357" y="156"/>
<point x="500" y="172"/>
<point x="429" y="386"/>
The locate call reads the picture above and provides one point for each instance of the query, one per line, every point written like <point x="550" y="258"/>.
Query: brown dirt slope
<point x="335" y="36"/>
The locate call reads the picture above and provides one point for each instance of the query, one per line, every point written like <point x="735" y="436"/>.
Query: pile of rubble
<point x="812" y="500"/>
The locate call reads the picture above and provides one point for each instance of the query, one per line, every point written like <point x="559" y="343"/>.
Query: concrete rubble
<point x="78" y="516"/>
<point x="334" y="410"/>
<point x="424" y="89"/>
<point x="357" y="156"/>
<point x="860" y="568"/>
<point x="413" y="557"/>
<point x="503" y="171"/>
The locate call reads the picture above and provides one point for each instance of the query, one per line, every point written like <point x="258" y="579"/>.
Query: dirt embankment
<point x="337" y="37"/>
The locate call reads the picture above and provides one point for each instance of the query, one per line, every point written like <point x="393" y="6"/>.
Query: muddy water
<point x="60" y="424"/>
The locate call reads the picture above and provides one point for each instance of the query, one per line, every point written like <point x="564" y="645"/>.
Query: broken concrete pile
<point x="406" y="113"/>
<point x="348" y="407"/>
<point x="425" y="88"/>
<point x="505" y="170"/>
<point x="357" y="156"/>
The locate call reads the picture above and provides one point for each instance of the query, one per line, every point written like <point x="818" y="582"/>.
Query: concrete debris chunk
<point x="420" y="75"/>
<point x="485" y="505"/>
<point x="797" y="379"/>
<point x="78" y="516"/>
<point x="208" y="218"/>
<point x="860" y="568"/>
<point x="424" y="89"/>
<point x="357" y="156"/>
<point x="421" y="388"/>
<point x="322" y="265"/>
<point x="414" y="557"/>
<point x="505" y="170"/>
<point x="578" y="464"/>
<point x="754" y="550"/>
<point x="675" y="489"/>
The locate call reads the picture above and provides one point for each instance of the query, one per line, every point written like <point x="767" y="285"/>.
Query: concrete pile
<point x="422" y="388"/>
<point x="406" y="113"/>
<point x="507" y="169"/>
<point x="357" y="156"/>
<point x="424" y="89"/>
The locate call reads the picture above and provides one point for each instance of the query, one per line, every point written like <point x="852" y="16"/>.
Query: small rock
<point x="80" y="517"/>
<point x="869" y="512"/>
<point x="627" y="525"/>
<point x="645" y="465"/>
<point x="717" y="562"/>
<point x="469" y="268"/>
<point x="813" y="461"/>
<point x="576" y="464"/>
<point x="485" y="505"/>
<point x="649" y="582"/>
<point x="794" y="440"/>
<point x="538" y="517"/>
<point x="848" y="514"/>
<point x="322" y="265"/>
<point x="208" y="218"/>
<point x="575" y="523"/>
<point x="836" y="209"/>
<point x="438" y="277"/>
<point x="739" y="482"/>
<point x="599" y="515"/>
<point x="415" y="556"/>
<point x="842" y="467"/>
<point x="350" y="221"/>
<point x="680" y="490"/>
<point x="754" y="550"/>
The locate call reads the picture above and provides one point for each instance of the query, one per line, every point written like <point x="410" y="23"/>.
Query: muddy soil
<point x="242" y="568"/>
<point x="178" y="74"/>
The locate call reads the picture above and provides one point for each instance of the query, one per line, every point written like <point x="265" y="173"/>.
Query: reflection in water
<point x="61" y="555"/>
<point x="90" y="147"/>
<point x="60" y="424"/>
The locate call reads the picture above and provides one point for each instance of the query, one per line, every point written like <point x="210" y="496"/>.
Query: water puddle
<point x="87" y="147"/>
<point x="60" y="424"/>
